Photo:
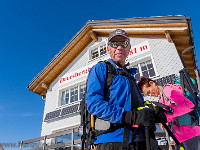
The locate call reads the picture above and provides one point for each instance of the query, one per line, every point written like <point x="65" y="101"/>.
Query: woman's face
<point x="152" y="90"/>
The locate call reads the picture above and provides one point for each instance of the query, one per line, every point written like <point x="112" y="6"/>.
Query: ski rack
<point x="186" y="82"/>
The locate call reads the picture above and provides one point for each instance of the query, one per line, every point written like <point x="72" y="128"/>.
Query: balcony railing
<point x="49" y="142"/>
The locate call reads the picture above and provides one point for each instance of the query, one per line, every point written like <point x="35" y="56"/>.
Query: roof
<point x="175" y="28"/>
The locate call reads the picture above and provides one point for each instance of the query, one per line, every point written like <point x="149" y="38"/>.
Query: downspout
<point x="188" y="19"/>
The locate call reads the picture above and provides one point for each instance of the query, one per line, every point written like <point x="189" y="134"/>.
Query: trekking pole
<point x="179" y="145"/>
<point x="168" y="110"/>
<point x="148" y="146"/>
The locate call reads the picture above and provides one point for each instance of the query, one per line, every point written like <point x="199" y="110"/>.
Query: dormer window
<point x="97" y="50"/>
<point x="94" y="53"/>
<point x="103" y="50"/>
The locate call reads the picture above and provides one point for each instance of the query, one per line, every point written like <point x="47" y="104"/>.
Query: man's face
<point x="119" y="53"/>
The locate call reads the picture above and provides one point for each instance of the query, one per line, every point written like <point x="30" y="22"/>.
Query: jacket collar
<point x="117" y="65"/>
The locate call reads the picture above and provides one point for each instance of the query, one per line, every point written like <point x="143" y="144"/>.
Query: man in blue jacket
<point x="119" y="107"/>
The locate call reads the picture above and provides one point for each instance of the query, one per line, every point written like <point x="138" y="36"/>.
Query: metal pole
<point x="183" y="52"/>
<point x="44" y="144"/>
<point x="198" y="79"/>
<point x="21" y="143"/>
<point x="72" y="147"/>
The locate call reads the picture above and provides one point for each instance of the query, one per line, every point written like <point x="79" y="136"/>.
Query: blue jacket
<point x="118" y="99"/>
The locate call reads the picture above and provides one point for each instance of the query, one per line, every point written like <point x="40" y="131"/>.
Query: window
<point x="137" y="74"/>
<point x="144" y="69"/>
<point x="95" y="53"/>
<point x="72" y="95"/>
<point x="82" y="90"/>
<point x="102" y="50"/>
<point x="98" y="50"/>
<point x="64" y="138"/>
<point x="68" y="137"/>
<point x="65" y="97"/>
<point x="147" y="69"/>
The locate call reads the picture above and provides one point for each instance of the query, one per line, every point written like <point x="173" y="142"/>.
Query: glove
<point x="143" y="117"/>
<point x="160" y="117"/>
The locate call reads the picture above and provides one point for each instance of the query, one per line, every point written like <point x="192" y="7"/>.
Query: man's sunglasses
<point x="115" y="44"/>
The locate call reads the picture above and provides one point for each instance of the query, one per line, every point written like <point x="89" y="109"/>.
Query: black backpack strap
<point x="88" y="136"/>
<point x="135" y="96"/>
<point x="126" y="137"/>
<point x="109" y="76"/>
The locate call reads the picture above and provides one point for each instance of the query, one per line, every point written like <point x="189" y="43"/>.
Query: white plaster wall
<point x="164" y="55"/>
<point x="51" y="103"/>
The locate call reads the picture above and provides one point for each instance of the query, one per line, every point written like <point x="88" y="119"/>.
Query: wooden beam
<point x="168" y="36"/>
<point x="183" y="32"/>
<point x="191" y="71"/>
<point x="93" y="36"/>
<point x="189" y="62"/>
<point x="193" y="75"/>
<point x="44" y="86"/>
<point x="181" y="40"/>
<point x="139" y="35"/>
<point x="181" y="47"/>
<point x="141" y="26"/>
<point x="155" y="30"/>
<point x="43" y="93"/>
<point x="187" y="57"/>
<point x="147" y="36"/>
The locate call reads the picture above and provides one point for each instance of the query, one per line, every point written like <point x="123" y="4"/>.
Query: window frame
<point x="69" y="89"/>
<point x="142" y="60"/>
<point x="97" y="46"/>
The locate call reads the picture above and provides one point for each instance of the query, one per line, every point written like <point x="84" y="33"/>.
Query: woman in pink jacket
<point x="172" y="95"/>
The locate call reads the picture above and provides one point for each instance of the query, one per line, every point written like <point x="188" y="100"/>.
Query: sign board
<point x="139" y="49"/>
<point x="75" y="74"/>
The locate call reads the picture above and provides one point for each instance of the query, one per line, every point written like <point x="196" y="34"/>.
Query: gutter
<point x="193" y="52"/>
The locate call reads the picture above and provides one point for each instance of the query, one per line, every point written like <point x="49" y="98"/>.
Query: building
<point x="156" y="43"/>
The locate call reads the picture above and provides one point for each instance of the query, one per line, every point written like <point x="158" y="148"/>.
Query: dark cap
<point x="118" y="32"/>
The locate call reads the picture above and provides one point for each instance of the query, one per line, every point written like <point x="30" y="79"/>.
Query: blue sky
<point x="33" y="31"/>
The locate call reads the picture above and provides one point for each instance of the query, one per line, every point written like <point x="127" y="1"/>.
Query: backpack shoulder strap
<point x="109" y="75"/>
<point x="88" y="138"/>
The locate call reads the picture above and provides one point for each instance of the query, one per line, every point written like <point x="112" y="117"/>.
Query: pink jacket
<point x="175" y="93"/>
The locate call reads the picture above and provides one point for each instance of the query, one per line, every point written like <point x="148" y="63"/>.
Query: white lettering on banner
<point x="139" y="48"/>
